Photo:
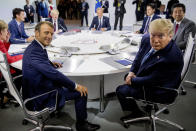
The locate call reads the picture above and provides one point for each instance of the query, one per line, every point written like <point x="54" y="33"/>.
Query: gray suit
<point x="181" y="36"/>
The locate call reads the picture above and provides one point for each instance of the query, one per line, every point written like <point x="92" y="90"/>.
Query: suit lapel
<point x="179" y="29"/>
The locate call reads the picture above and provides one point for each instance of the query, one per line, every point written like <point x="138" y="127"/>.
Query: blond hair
<point x="54" y="11"/>
<point x="3" y="25"/>
<point x="161" y="25"/>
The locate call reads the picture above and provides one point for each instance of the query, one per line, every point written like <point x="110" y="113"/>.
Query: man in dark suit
<point x="100" y="22"/>
<point x="119" y="12"/>
<point x="40" y="76"/>
<point x="139" y="10"/>
<point x="59" y="25"/>
<point x="150" y="10"/>
<point x="182" y="26"/>
<point x="158" y="63"/>
<point x="43" y="9"/>
<point x="16" y="28"/>
<point x="84" y="12"/>
<point x="161" y="12"/>
<point x="105" y="5"/>
<point x="29" y="10"/>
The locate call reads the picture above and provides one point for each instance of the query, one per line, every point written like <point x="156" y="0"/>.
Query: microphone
<point x="65" y="30"/>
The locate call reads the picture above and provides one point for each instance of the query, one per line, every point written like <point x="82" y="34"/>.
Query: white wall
<point x="6" y="7"/>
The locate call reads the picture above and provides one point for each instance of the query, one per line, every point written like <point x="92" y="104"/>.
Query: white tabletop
<point x="99" y="63"/>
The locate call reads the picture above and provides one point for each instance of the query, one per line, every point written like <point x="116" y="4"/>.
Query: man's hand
<point x="82" y="89"/>
<point x="30" y="39"/>
<point x="103" y="29"/>
<point x="7" y="37"/>
<point x="57" y="65"/>
<point x="129" y="77"/>
<point x="93" y="29"/>
<point x="137" y="32"/>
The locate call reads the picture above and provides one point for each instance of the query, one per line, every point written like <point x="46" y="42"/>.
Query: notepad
<point x="124" y="62"/>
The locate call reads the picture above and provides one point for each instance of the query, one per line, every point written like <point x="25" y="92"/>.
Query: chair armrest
<point x="35" y="97"/>
<point x="16" y="77"/>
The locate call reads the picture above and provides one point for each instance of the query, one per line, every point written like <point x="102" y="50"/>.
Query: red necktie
<point x="177" y="25"/>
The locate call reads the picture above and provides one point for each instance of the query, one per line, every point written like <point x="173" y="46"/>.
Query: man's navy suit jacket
<point x="17" y="36"/>
<point x="26" y="9"/>
<point x="105" y="23"/>
<point x="43" y="10"/>
<point x="145" y="20"/>
<point x="162" y="69"/>
<point x="39" y="76"/>
<point x="61" y="24"/>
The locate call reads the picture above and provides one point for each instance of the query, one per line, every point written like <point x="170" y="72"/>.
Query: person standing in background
<point x="29" y="10"/>
<point x="139" y="10"/>
<point x="50" y="7"/>
<point x="84" y="11"/>
<point x="43" y="9"/>
<point x="119" y="12"/>
<point x="105" y="5"/>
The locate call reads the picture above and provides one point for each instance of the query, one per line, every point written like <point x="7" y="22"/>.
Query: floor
<point x="183" y="113"/>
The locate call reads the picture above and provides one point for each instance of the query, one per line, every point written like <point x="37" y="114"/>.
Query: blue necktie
<point x="147" y="25"/>
<point x="151" y="52"/>
<point x="99" y="26"/>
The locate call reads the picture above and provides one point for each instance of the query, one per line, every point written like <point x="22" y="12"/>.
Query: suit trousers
<point x="117" y="16"/>
<point x="84" y="14"/>
<point x="30" y="18"/>
<point x="80" y="102"/>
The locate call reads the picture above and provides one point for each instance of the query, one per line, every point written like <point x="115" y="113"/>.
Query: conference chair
<point x="39" y="117"/>
<point x="152" y="105"/>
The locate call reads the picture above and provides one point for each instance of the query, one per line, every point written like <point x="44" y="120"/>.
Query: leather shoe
<point x="133" y="115"/>
<point x="86" y="126"/>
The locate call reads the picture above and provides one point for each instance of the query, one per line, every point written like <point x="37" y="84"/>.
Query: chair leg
<point x="183" y="91"/>
<point x="137" y="119"/>
<point x="170" y="123"/>
<point x="57" y="127"/>
<point x="153" y="118"/>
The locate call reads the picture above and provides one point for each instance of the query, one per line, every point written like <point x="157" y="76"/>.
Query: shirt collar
<point x="18" y="23"/>
<point x="43" y="47"/>
<point x="179" y="21"/>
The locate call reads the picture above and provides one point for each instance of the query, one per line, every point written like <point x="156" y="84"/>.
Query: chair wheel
<point x="16" y="105"/>
<point x="183" y="92"/>
<point x="126" y="125"/>
<point x="166" y="111"/>
<point x="24" y="122"/>
<point x="182" y="130"/>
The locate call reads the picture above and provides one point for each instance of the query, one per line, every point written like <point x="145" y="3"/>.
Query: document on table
<point x="17" y="48"/>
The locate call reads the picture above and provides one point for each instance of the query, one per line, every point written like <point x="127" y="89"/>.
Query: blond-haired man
<point x="158" y="63"/>
<point x="59" y="25"/>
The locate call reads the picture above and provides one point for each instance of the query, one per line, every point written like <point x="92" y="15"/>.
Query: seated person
<point x="100" y="22"/>
<point x="16" y="28"/>
<point x="4" y="47"/>
<point x="59" y="25"/>
<point x="161" y="12"/>
<point x="150" y="10"/>
<point x="40" y="76"/>
<point x="158" y="63"/>
<point x="182" y="26"/>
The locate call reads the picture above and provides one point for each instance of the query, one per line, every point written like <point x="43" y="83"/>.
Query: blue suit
<point x="43" y="9"/>
<point x="17" y="35"/>
<point x="39" y="76"/>
<point x="162" y="69"/>
<point x="61" y="24"/>
<point x="105" y="23"/>
<point x="145" y="20"/>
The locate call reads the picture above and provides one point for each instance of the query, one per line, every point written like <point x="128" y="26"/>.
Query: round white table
<point x="89" y="55"/>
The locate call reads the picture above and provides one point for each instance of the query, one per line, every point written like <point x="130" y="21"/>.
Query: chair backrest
<point x="188" y="55"/>
<point x="5" y="70"/>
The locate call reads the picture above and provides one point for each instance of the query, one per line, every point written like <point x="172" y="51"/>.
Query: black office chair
<point x="37" y="117"/>
<point x="152" y="105"/>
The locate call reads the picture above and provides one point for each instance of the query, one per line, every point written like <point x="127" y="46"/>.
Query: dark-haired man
<point x="150" y="10"/>
<point x="40" y="76"/>
<point x="16" y="28"/>
<point x="182" y="25"/>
